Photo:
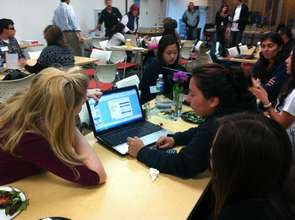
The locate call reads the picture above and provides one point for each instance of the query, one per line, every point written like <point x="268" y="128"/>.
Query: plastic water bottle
<point x="160" y="88"/>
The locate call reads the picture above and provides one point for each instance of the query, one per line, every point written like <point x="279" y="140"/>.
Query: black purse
<point x="13" y="74"/>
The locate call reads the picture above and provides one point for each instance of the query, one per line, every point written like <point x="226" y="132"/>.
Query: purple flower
<point x="180" y="77"/>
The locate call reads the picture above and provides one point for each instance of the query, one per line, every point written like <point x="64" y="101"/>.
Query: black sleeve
<point x="119" y="14"/>
<point x="101" y="17"/>
<point x="149" y="78"/>
<point x="217" y="20"/>
<point x="34" y="69"/>
<point x="183" y="138"/>
<point x="191" y="160"/>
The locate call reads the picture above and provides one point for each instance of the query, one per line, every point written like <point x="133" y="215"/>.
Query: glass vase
<point x="177" y="100"/>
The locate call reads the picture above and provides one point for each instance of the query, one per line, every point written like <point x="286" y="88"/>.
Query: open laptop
<point x="117" y="116"/>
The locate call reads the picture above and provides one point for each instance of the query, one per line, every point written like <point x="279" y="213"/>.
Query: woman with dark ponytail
<point x="252" y="176"/>
<point x="214" y="91"/>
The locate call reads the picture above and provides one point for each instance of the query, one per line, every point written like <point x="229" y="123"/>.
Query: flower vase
<point x="177" y="100"/>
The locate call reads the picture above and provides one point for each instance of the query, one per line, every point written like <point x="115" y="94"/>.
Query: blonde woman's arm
<point x="91" y="159"/>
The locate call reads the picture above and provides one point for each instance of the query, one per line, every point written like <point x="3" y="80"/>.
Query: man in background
<point x="65" y="18"/>
<point x="191" y="18"/>
<point x="8" y="43"/>
<point x="110" y="16"/>
<point x="239" y="22"/>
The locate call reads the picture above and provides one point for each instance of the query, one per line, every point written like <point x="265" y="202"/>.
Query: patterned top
<point x="10" y="46"/>
<point x="52" y="56"/>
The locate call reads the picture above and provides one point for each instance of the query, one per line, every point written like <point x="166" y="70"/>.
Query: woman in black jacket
<point x="166" y="64"/>
<point x="214" y="91"/>
<point x="221" y="22"/>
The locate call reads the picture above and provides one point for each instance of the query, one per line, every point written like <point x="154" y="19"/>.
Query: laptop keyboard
<point x="140" y="129"/>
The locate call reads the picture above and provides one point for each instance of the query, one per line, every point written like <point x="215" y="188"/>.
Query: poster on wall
<point x="137" y="2"/>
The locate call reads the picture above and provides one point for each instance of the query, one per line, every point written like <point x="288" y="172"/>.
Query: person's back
<point x="38" y="133"/>
<point x="117" y="39"/>
<point x="56" y="56"/>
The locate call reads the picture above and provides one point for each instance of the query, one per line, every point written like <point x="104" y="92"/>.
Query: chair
<point x="102" y="55"/>
<point x="34" y="54"/>
<point x="106" y="74"/>
<point x="9" y="87"/>
<point x="119" y="57"/>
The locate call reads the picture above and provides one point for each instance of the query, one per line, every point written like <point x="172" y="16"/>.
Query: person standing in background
<point x="240" y="20"/>
<point x="65" y="18"/>
<point x="191" y="18"/>
<point x="130" y="20"/>
<point x="222" y="19"/>
<point x="110" y="16"/>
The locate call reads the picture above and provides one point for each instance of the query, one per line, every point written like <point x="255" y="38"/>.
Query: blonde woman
<point x="38" y="133"/>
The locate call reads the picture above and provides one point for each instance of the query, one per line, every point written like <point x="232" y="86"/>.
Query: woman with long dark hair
<point x="214" y="91"/>
<point x="271" y="68"/>
<point x="221" y="21"/>
<point x="284" y="114"/>
<point x="165" y="63"/>
<point x="252" y="176"/>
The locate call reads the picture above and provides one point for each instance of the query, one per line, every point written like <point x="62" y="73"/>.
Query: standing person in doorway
<point x="191" y="18"/>
<point x="65" y="18"/>
<point x="110" y="16"/>
<point x="240" y="20"/>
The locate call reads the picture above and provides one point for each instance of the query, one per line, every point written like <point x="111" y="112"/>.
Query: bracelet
<point x="267" y="106"/>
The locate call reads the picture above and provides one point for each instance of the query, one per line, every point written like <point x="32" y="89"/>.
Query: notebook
<point x="117" y="116"/>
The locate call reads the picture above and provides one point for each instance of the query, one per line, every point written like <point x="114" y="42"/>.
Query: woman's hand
<point x="165" y="142"/>
<point x="94" y="93"/>
<point x="259" y="91"/>
<point x="134" y="146"/>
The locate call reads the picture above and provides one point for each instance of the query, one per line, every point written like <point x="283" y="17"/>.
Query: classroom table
<point x="128" y="194"/>
<point x="79" y="61"/>
<point x="26" y="46"/>
<point x="238" y="60"/>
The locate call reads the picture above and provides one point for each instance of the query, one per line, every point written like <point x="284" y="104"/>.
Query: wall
<point x="32" y="16"/>
<point x="176" y="8"/>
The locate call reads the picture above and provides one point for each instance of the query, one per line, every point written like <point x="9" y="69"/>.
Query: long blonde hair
<point x="46" y="109"/>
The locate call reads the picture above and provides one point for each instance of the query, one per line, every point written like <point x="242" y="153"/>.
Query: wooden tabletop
<point x="25" y="46"/>
<point x="129" y="192"/>
<point x="79" y="61"/>
<point x="238" y="60"/>
<point x="126" y="48"/>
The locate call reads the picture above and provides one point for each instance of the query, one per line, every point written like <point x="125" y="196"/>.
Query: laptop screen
<point x="115" y="109"/>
